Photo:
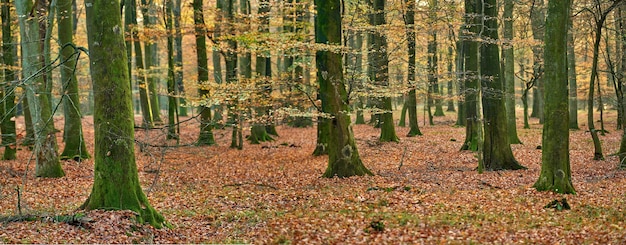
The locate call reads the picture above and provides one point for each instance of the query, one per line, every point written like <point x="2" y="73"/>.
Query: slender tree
<point x="473" y="129"/>
<point x="343" y="156"/>
<point x="555" y="166"/>
<point x="258" y="132"/>
<point x="497" y="153"/>
<point x="433" y="63"/>
<point x="509" y="72"/>
<point x="409" y="21"/>
<point x="7" y="107"/>
<point x="116" y="182"/>
<point x="149" y="12"/>
<point x="206" y="126"/>
<point x="538" y="20"/>
<point x="172" y="91"/>
<point x="379" y="70"/>
<point x="73" y="132"/>
<point x="132" y="40"/>
<point x="178" y="58"/>
<point x="48" y="164"/>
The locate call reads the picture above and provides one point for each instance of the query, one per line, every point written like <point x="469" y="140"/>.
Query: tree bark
<point x="74" y="142"/>
<point x="48" y="164"/>
<point x="509" y="73"/>
<point x="343" y="156"/>
<point x="379" y="71"/>
<point x="411" y="103"/>
<point x="571" y="64"/>
<point x="172" y="92"/>
<point x="555" y="165"/>
<point x="116" y="182"/>
<point x="7" y="106"/>
<point x="497" y="153"/>
<point x="206" y="126"/>
<point x="473" y="129"/>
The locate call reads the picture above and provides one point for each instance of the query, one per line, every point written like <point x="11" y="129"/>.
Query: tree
<point x="379" y="70"/>
<point x="433" y="65"/>
<point x="571" y="69"/>
<point x="172" y="91"/>
<point x="132" y="38"/>
<point x="497" y="153"/>
<point x="509" y="72"/>
<point x="73" y="130"/>
<point x="206" y="126"/>
<point x="149" y="12"/>
<point x="555" y="166"/>
<point x="473" y="130"/>
<point x="178" y="58"/>
<point x="411" y="103"/>
<point x="258" y="132"/>
<point x="599" y="15"/>
<point x="343" y="156"/>
<point x="116" y="182"/>
<point x="48" y="164"/>
<point x="538" y="20"/>
<point x="7" y="107"/>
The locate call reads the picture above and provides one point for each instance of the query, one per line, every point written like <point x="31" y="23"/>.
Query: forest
<point x="313" y="121"/>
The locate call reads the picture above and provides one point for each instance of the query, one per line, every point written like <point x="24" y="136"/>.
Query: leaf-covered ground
<point x="424" y="191"/>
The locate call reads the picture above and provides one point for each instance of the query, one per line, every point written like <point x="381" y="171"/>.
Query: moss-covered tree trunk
<point x="48" y="164"/>
<point x="116" y="182"/>
<point x="509" y="73"/>
<point x="379" y="71"/>
<point x="571" y="69"/>
<point x="7" y="107"/>
<point x="73" y="130"/>
<point x="149" y="11"/>
<point x="555" y="165"/>
<point x="343" y="156"/>
<point x="497" y="153"/>
<point x="461" y="119"/>
<point x="206" y="126"/>
<point x="411" y="100"/>
<point x="473" y="128"/>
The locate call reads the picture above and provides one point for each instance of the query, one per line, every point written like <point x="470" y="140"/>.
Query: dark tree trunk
<point x="571" y="65"/>
<point x="343" y="156"/>
<point x="411" y="100"/>
<point x="206" y="125"/>
<point x="497" y="153"/>
<point x="473" y="129"/>
<point x="7" y="107"/>
<point x="509" y="73"/>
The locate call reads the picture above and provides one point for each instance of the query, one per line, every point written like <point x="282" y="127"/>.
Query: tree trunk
<point x="132" y="38"/>
<point x="571" y="64"/>
<point x="509" y="73"/>
<point x="555" y="165"/>
<point x="461" y="119"/>
<point x="231" y="72"/>
<point x="473" y="129"/>
<point x="116" y="182"/>
<point x="48" y="164"/>
<point x="343" y="156"/>
<point x="538" y="20"/>
<point x="497" y="153"/>
<point x="433" y="70"/>
<point x="379" y="71"/>
<point x="178" y="59"/>
<point x="172" y="93"/>
<point x="258" y="132"/>
<point x="74" y="142"/>
<point x="7" y="107"/>
<point x="149" y="12"/>
<point x="206" y="126"/>
<point x="411" y="100"/>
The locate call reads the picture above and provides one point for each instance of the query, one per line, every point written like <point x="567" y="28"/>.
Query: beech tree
<point x="48" y="164"/>
<point x="7" y="107"/>
<point x="473" y="129"/>
<point x="411" y="103"/>
<point x="73" y="130"/>
<point x="555" y="166"/>
<point x="116" y="182"/>
<point x="509" y="72"/>
<point x="497" y="153"/>
<point x="343" y="156"/>
<point x="206" y="125"/>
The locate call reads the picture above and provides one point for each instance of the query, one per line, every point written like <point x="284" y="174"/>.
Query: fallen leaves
<point x="273" y="193"/>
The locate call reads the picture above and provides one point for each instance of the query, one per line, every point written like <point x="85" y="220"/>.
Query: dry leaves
<point x="273" y="193"/>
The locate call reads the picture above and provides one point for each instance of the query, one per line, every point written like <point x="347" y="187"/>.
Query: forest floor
<point x="424" y="191"/>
